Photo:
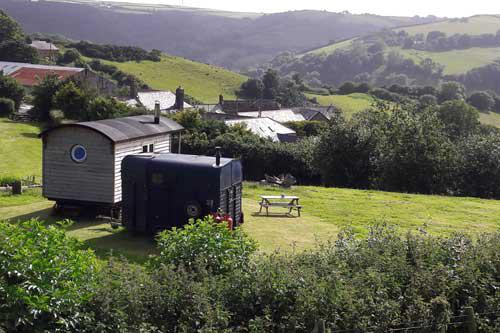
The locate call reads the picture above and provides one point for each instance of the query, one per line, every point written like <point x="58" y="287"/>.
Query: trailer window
<point x="145" y="148"/>
<point x="151" y="148"/>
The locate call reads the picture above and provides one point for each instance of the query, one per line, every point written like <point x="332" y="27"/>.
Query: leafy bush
<point x="207" y="243"/>
<point x="115" y="52"/>
<point x="9" y="88"/>
<point x="7" y="107"/>
<point x="44" y="278"/>
<point x="8" y="180"/>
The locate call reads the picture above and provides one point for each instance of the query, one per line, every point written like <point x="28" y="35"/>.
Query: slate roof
<point x="149" y="98"/>
<point x="281" y="116"/>
<point x="127" y="128"/>
<point x="43" y="45"/>
<point x="266" y="128"/>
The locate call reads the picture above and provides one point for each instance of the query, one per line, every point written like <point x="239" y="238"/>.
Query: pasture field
<point x="456" y="61"/>
<point x="475" y="25"/>
<point x="326" y="212"/>
<point x="201" y="81"/>
<point x="349" y="104"/>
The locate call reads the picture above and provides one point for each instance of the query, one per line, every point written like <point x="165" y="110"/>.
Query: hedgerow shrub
<point x="7" y="107"/>
<point x="204" y="243"/>
<point x="8" y="180"/>
<point x="44" y="278"/>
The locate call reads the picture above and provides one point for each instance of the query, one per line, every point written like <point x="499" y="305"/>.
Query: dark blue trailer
<point x="166" y="190"/>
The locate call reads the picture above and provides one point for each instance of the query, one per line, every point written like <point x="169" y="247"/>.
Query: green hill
<point x="474" y="25"/>
<point x="349" y="104"/>
<point x="201" y="81"/>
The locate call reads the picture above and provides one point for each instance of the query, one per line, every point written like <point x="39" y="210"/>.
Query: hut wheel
<point x="193" y="209"/>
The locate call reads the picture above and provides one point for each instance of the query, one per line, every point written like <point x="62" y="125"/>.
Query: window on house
<point x="145" y="148"/>
<point x="151" y="148"/>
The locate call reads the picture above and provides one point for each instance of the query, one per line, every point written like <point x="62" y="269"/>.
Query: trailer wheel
<point x="193" y="209"/>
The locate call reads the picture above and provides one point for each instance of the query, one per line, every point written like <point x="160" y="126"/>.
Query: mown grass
<point x="349" y="104"/>
<point x="20" y="149"/>
<point x="490" y="118"/>
<point x="326" y="211"/>
<point x="456" y="61"/>
<point x="203" y="82"/>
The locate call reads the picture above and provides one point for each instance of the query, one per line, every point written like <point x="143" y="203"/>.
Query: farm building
<point x="45" y="49"/>
<point x="168" y="100"/>
<point x="29" y="75"/>
<point x="82" y="161"/>
<point x="266" y="128"/>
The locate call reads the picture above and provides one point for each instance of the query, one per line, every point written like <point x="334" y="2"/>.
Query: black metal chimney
<point x="157" y="112"/>
<point x="179" y="98"/>
<point x="217" y="156"/>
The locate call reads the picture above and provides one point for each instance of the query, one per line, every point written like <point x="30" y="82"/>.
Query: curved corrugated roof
<point x="128" y="128"/>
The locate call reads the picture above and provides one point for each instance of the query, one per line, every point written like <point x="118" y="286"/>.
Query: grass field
<point x="349" y="104"/>
<point x="326" y="212"/>
<point x="20" y="149"/>
<point x="475" y="25"/>
<point x="329" y="49"/>
<point x="203" y="82"/>
<point x="456" y="61"/>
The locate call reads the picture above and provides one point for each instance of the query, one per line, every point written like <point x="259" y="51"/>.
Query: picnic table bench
<point x="290" y="202"/>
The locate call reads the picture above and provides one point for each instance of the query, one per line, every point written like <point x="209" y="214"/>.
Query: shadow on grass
<point x="30" y="135"/>
<point x="274" y="215"/>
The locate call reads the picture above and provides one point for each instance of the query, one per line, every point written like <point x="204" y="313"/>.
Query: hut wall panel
<point x="91" y="180"/>
<point x="161" y="145"/>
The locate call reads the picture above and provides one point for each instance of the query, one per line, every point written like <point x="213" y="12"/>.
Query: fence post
<point x="17" y="187"/>
<point x="470" y="320"/>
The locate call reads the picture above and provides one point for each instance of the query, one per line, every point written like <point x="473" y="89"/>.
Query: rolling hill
<point x="231" y="40"/>
<point x="201" y="81"/>
<point x="349" y="104"/>
<point x="454" y="61"/>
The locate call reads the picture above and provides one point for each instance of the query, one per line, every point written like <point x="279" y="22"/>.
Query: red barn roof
<point x="32" y="76"/>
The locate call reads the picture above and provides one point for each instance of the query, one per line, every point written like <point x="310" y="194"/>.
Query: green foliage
<point x="307" y="128"/>
<point x="459" y="118"/>
<point x="9" y="88"/>
<point x="481" y="100"/>
<point x="451" y="90"/>
<point x="7" y="107"/>
<point x="17" y="51"/>
<point x="207" y="244"/>
<point x="69" y="56"/>
<point x="115" y="52"/>
<point x="9" y="28"/>
<point x="44" y="278"/>
<point x="8" y="180"/>
<point x="73" y="101"/>
<point x="43" y="97"/>
<point x="253" y="89"/>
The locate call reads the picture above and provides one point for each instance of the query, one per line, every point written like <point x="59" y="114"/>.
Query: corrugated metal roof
<point x="43" y="45"/>
<point x="127" y="128"/>
<point x="264" y="127"/>
<point x="166" y="99"/>
<point x="281" y="116"/>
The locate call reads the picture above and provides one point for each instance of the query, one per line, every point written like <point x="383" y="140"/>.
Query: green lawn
<point x="349" y="104"/>
<point x="204" y="82"/>
<point x="456" y="61"/>
<point x="326" y="211"/>
<point x="20" y="149"/>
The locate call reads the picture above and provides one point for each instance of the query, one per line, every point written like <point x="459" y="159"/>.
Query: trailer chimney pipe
<point x="157" y="112"/>
<point x="217" y="156"/>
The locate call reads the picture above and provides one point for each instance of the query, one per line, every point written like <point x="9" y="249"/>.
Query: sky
<point x="442" y="8"/>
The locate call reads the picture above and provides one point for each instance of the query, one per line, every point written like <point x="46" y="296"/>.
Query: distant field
<point x="331" y="48"/>
<point x="349" y="104"/>
<point x="490" y="118"/>
<point x="20" y="149"/>
<point x="474" y="25"/>
<point x="204" y="82"/>
<point x="456" y="61"/>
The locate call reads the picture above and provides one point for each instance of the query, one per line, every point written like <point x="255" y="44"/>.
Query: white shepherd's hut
<point x="82" y="161"/>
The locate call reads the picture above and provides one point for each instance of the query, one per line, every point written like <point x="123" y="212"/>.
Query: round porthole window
<point x="78" y="153"/>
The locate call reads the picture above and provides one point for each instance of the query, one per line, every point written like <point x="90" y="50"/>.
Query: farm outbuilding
<point x="82" y="161"/>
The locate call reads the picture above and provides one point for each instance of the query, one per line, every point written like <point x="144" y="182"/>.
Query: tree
<point x="69" y="56"/>
<point x="427" y="100"/>
<point x="6" y="107"/>
<point x="105" y="108"/>
<point x="271" y="83"/>
<point x="43" y="95"/>
<point x="459" y="118"/>
<point x="17" y="51"/>
<point x="73" y="101"/>
<point x="451" y="90"/>
<point x="252" y="88"/>
<point x="9" y="28"/>
<point x="482" y="101"/>
<point x="347" y="88"/>
<point x="9" y="88"/>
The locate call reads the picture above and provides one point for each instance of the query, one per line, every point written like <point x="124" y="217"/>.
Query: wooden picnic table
<point x="288" y="201"/>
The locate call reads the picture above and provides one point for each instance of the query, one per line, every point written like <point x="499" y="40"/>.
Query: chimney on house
<point x="157" y="112"/>
<point x="179" y="98"/>
<point x="217" y="156"/>
<point x="133" y="89"/>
